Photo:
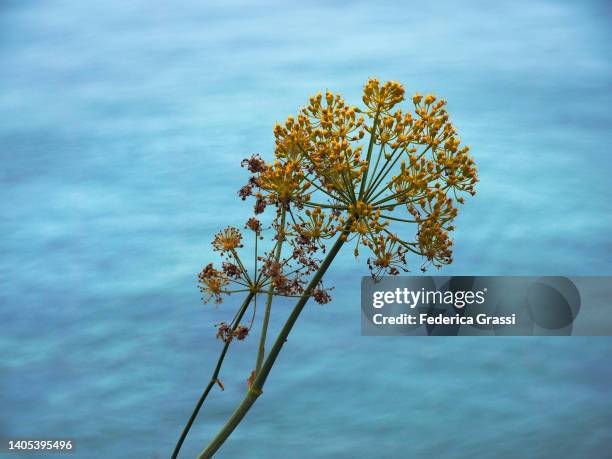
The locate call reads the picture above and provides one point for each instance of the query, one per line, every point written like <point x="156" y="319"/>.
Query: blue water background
<point x="122" y="125"/>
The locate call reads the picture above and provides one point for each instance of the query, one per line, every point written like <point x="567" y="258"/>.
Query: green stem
<point x="266" y="319"/>
<point x="256" y="389"/>
<point x="245" y="272"/>
<point x="325" y="206"/>
<point x="382" y="174"/>
<point x="369" y="155"/>
<point x="375" y="168"/>
<point x="213" y="379"/>
<point x="371" y="198"/>
<point x="397" y="219"/>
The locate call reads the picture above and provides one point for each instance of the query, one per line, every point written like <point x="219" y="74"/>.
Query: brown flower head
<point x="241" y="332"/>
<point x="211" y="283"/>
<point x="227" y="240"/>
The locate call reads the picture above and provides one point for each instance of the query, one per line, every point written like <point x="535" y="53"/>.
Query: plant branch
<point x="256" y="389"/>
<point x="364" y="177"/>
<point x="213" y="379"/>
<point x="266" y="319"/>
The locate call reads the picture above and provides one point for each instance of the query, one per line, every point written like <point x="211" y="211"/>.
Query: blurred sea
<point x="122" y="125"/>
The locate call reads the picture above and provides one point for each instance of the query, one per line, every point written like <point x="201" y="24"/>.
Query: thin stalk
<point x="321" y="189"/>
<point x="256" y="389"/>
<point x="245" y="272"/>
<point x="369" y="154"/>
<point x="266" y="319"/>
<point x="397" y="219"/>
<point x="236" y="291"/>
<point x="382" y="173"/>
<point x="325" y="206"/>
<point x="376" y="181"/>
<point x="213" y="380"/>
<point x="397" y="195"/>
<point x="255" y="261"/>
<point x="341" y="194"/>
<point x="373" y="189"/>
<point x="346" y="180"/>
<point x="375" y="168"/>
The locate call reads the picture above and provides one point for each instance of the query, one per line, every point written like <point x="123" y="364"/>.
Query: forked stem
<point x="266" y="319"/>
<point x="256" y="389"/>
<point x="213" y="378"/>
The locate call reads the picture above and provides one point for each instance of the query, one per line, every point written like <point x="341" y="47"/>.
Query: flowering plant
<point x="363" y="176"/>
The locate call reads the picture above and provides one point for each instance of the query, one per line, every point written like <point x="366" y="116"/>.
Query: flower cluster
<point x="362" y="173"/>
<point x="227" y="240"/>
<point x="386" y="178"/>
<point x="212" y="283"/>
<point x="226" y="334"/>
<point x="381" y="99"/>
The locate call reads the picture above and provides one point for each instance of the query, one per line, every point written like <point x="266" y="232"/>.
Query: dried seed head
<point x="227" y="240"/>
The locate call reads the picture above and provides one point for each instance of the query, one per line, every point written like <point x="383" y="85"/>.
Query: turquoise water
<point x="122" y="125"/>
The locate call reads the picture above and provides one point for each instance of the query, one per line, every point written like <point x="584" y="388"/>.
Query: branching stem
<point x="213" y="379"/>
<point x="264" y="327"/>
<point x="256" y="389"/>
